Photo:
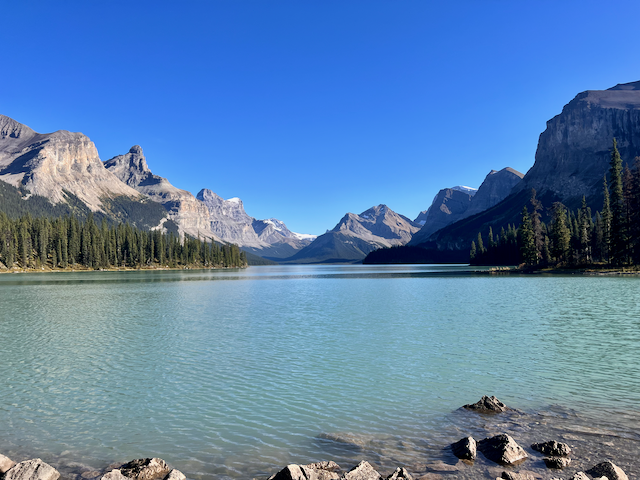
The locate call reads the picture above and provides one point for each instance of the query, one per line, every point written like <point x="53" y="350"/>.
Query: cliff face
<point x="50" y="164"/>
<point x="574" y="151"/>
<point x="357" y="235"/>
<point x="268" y="238"/>
<point x="191" y="215"/>
<point x="496" y="186"/>
<point x="448" y="206"/>
<point x="453" y="205"/>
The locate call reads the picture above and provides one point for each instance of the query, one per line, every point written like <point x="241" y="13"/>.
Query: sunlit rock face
<point x="269" y="238"/>
<point x="191" y="215"/>
<point x="54" y="163"/>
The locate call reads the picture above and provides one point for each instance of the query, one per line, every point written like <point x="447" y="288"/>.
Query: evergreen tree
<point x="606" y="223"/>
<point x="560" y="234"/>
<point x="527" y="239"/>
<point x="618" y="241"/>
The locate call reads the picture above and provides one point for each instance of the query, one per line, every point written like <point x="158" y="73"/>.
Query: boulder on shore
<point x="145" y="469"/>
<point x="487" y="405"/>
<point x="552" y="448"/>
<point x="502" y="449"/>
<point x="5" y="464"/>
<point x="175" y="475"/>
<point x="34" y="469"/>
<point x="465" y="449"/>
<point x="607" y="469"/>
<point x="362" y="471"/>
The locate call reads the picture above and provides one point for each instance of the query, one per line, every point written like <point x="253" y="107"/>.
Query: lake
<point x="237" y="373"/>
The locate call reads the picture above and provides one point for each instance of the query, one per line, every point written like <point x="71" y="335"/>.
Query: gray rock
<point x="449" y="205"/>
<point x="329" y="466"/>
<point x="362" y="471"/>
<point x="517" y="476"/>
<point x="496" y="186"/>
<point x="5" y="464"/>
<point x="145" y="469"/>
<point x="502" y="449"/>
<point x="465" y="449"/>
<point x="552" y="448"/>
<point x="607" y="469"/>
<point x="175" y="475"/>
<point x="557" y="462"/>
<point x="115" y="474"/>
<point x="580" y="476"/>
<point x="487" y="405"/>
<point x="400" y="473"/>
<point x="34" y="469"/>
<point x="307" y="472"/>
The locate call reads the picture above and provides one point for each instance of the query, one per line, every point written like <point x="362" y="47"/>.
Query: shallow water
<point x="236" y="373"/>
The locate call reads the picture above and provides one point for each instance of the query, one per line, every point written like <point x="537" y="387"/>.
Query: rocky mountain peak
<point x="131" y="168"/>
<point x="626" y="86"/>
<point x="9" y="128"/>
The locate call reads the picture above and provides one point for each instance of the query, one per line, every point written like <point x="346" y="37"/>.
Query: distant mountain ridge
<point x="267" y="238"/>
<point x="356" y="235"/>
<point x="453" y="204"/>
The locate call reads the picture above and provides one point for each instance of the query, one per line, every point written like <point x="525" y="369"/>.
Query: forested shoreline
<point x="42" y="243"/>
<point x="610" y="238"/>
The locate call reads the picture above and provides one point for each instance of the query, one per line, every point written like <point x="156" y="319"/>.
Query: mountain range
<point x="61" y="173"/>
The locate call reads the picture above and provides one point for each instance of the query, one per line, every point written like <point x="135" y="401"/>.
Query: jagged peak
<point x="136" y="150"/>
<point x="11" y="128"/>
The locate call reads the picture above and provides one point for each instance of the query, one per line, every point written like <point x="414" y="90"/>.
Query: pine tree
<point x="560" y="234"/>
<point x="527" y="239"/>
<point x="618" y="240"/>
<point x="606" y="223"/>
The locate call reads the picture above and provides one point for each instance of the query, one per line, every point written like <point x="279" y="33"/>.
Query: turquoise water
<point x="236" y="373"/>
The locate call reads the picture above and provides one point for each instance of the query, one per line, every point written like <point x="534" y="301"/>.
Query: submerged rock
<point x="465" y="449"/>
<point x="487" y="405"/>
<point x="34" y="469"/>
<point x="400" y="473"/>
<point x="362" y="471"/>
<point x="607" y="469"/>
<point x="557" y="462"/>
<point x="145" y="469"/>
<point x="5" y="464"/>
<point x="552" y="448"/>
<point x="502" y="449"/>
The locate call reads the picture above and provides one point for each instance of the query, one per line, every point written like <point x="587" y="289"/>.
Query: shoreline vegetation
<point x="499" y="455"/>
<point x="606" y="243"/>
<point x="41" y="244"/>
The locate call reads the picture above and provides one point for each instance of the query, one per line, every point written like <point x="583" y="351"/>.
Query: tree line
<point x="67" y="242"/>
<point x="573" y="238"/>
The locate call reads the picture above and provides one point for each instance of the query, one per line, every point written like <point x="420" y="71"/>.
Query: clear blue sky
<point x="308" y="109"/>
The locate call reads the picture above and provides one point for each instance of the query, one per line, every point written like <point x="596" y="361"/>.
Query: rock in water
<point x="114" y="475"/>
<point x="552" y="448"/>
<point x="5" y="464"/>
<point x="557" y="462"/>
<point x="487" y="405"/>
<point x="502" y="449"/>
<point x="145" y="469"/>
<point x="32" y="470"/>
<point x="175" y="475"/>
<point x="607" y="469"/>
<point x="362" y="471"/>
<point x="400" y="474"/>
<point x="465" y="449"/>
<point x="308" y="472"/>
<point x="517" y="476"/>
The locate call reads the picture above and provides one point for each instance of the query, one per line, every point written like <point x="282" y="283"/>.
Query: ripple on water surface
<point x="237" y="373"/>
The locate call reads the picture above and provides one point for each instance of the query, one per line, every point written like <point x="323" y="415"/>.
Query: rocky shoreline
<point x="497" y="456"/>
